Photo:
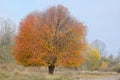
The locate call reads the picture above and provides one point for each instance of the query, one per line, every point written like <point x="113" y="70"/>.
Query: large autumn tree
<point x="50" y="38"/>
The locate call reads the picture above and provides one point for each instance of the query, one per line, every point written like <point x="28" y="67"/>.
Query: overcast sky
<point x="102" y="17"/>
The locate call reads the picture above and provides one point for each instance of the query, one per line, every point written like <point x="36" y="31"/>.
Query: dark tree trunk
<point x="51" y="68"/>
<point x="76" y="68"/>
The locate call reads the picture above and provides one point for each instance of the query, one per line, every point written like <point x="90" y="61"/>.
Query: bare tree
<point x="7" y="32"/>
<point x="100" y="45"/>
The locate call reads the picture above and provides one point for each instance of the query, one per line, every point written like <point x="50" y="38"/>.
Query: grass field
<point x="17" y="72"/>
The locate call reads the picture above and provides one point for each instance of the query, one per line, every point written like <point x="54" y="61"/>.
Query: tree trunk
<point x="51" y="68"/>
<point x="76" y="68"/>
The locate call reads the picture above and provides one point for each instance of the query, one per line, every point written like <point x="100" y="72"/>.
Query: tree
<point x="7" y="34"/>
<point x="50" y="38"/>
<point x="104" y="65"/>
<point x="111" y="60"/>
<point x="100" y="45"/>
<point x="114" y="62"/>
<point x="92" y="58"/>
<point x="117" y="58"/>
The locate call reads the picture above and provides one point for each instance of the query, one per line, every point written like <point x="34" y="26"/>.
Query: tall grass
<point x="18" y="72"/>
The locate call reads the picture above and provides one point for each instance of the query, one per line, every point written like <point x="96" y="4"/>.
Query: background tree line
<point x="96" y="58"/>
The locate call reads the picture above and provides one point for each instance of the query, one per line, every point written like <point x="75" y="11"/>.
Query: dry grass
<point x="17" y="72"/>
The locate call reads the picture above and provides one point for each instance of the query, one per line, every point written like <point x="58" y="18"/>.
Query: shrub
<point x="118" y="70"/>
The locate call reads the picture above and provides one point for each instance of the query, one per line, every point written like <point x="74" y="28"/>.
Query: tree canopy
<point x="52" y="37"/>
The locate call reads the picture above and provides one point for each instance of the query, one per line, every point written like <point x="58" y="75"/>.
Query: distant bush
<point x="118" y="70"/>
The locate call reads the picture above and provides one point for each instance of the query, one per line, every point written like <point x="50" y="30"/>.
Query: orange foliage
<point x="50" y="37"/>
